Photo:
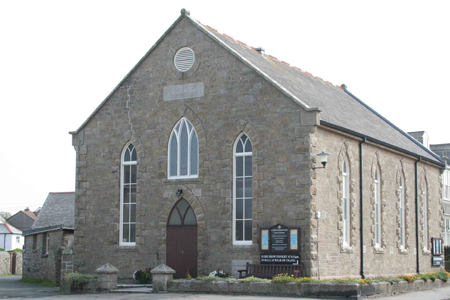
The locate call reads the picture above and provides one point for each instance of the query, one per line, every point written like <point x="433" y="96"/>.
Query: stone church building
<point x="208" y="142"/>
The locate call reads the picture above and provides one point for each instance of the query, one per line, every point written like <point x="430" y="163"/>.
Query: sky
<point x="60" y="59"/>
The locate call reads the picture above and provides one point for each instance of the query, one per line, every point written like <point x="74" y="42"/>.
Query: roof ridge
<point x="208" y="27"/>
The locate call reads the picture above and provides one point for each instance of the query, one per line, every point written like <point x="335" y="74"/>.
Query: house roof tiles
<point x="58" y="209"/>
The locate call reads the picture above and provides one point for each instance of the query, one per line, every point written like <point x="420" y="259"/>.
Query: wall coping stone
<point x="311" y="289"/>
<point x="163" y="269"/>
<point x="107" y="269"/>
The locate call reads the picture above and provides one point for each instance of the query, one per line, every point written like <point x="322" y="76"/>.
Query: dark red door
<point x="181" y="245"/>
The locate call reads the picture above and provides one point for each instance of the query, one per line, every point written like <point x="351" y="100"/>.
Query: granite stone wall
<point x="236" y="100"/>
<point x="48" y="266"/>
<point x="390" y="259"/>
<point x="4" y="263"/>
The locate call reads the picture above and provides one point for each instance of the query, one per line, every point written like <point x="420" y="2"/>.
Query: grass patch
<point x="48" y="283"/>
<point x="9" y="274"/>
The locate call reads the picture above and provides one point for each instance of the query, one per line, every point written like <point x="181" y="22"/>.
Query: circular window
<point x="184" y="59"/>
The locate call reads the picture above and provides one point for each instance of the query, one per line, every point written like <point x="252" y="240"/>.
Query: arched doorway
<point x="181" y="242"/>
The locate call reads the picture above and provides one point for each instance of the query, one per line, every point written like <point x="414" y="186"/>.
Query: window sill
<point x="378" y="250"/>
<point x="192" y="179"/>
<point x="403" y="251"/>
<point x="346" y="249"/>
<point x="125" y="248"/>
<point x="426" y="252"/>
<point x="34" y="250"/>
<point x="44" y="255"/>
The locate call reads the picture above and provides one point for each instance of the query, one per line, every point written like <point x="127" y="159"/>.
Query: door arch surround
<point x="193" y="201"/>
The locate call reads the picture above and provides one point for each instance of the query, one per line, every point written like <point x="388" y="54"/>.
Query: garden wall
<point x="350" y="290"/>
<point x="10" y="263"/>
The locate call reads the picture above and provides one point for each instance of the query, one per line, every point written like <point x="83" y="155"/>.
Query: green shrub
<point x="16" y="250"/>
<point x="443" y="275"/>
<point x="283" y="278"/>
<point x="78" y="280"/>
<point x="1" y="249"/>
<point x="254" y="279"/>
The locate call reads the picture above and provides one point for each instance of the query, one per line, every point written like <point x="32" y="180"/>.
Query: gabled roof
<point x="58" y="209"/>
<point x="9" y="229"/>
<point x="26" y="213"/>
<point x="339" y="108"/>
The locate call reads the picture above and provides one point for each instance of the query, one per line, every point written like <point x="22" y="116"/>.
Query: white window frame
<point x="377" y="192"/>
<point x="402" y="213"/>
<point x="447" y="231"/>
<point x="235" y="155"/>
<point x="425" y="216"/>
<point x="345" y="203"/>
<point x="122" y="172"/>
<point x="191" y="133"/>
<point x="446" y="184"/>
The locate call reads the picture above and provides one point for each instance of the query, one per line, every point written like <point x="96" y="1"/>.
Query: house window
<point x="345" y="204"/>
<point x="402" y="212"/>
<point x="34" y="241"/>
<point x="425" y="216"/>
<point x="128" y="197"/>
<point x="446" y="231"/>
<point x="377" y="191"/>
<point x="446" y="180"/>
<point x="18" y="239"/>
<point x="45" y="243"/>
<point x="242" y="192"/>
<point x="183" y="151"/>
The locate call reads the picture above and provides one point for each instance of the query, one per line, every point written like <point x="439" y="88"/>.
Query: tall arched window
<point x="402" y="213"/>
<point x="242" y="192"/>
<point x="425" y="215"/>
<point x="345" y="203"/>
<point x="128" y="196"/>
<point x="183" y="151"/>
<point x="377" y="192"/>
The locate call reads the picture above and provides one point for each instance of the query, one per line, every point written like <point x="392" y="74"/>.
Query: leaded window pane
<point x="184" y="151"/>
<point x="132" y="233"/>
<point x="239" y="187"/>
<point x="248" y="187"/>
<point x="239" y="166"/>
<point x="126" y="176"/>
<point x="239" y="230"/>
<point x="239" y="147"/>
<point x="248" y="208"/>
<point x="239" y="209"/>
<point x="194" y="154"/>
<point x="133" y="194"/>
<point x="190" y="219"/>
<point x="126" y="233"/>
<point x="133" y="173"/>
<point x="248" y="166"/>
<point x="175" y="218"/>
<point x="248" y="146"/>
<point x="248" y="230"/>
<point x="173" y="155"/>
<point x="182" y="206"/>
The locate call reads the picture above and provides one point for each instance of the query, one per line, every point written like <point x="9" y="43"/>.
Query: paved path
<point x="12" y="288"/>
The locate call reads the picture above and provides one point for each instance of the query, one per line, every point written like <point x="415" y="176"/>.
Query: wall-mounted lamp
<point x="323" y="159"/>
<point x="179" y="192"/>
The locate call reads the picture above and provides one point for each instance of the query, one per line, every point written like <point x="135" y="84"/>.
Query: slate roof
<point x="25" y="212"/>
<point x="58" y="209"/>
<point x="9" y="229"/>
<point x="339" y="108"/>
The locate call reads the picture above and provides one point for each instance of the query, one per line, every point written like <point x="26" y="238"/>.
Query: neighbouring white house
<point x="10" y="237"/>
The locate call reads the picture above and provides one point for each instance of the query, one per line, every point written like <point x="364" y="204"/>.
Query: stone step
<point x="131" y="285"/>
<point x="135" y="290"/>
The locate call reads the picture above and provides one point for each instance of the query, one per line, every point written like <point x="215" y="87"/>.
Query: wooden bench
<point x="270" y="270"/>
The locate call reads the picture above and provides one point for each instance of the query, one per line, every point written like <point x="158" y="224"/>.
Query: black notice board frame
<point x="268" y="240"/>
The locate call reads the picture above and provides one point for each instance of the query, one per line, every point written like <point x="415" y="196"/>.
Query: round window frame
<point x="192" y="63"/>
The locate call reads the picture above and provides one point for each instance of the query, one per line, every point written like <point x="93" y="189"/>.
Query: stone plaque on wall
<point x="184" y="91"/>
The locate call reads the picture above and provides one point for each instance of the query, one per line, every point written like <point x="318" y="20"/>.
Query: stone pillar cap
<point x="107" y="269"/>
<point x="163" y="269"/>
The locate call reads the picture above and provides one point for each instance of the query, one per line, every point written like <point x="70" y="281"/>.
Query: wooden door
<point x="181" y="242"/>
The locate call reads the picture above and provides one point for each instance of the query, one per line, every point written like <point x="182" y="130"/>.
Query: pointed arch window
<point x="345" y="203"/>
<point x="242" y="191"/>
<point x="128" y="196"/>
<point x="425" y="215"/>
<point x="183" y="151"/>
<point x="377" y="196"/>
<point x="402" y="212"/>
<point x="182" y="215"/>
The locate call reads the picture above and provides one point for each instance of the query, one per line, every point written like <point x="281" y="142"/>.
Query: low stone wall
<point x="10" y="263"/>
<point x="88" y="288"/>
<point x="5" y="263"/>
<point x="351" y="290"/>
